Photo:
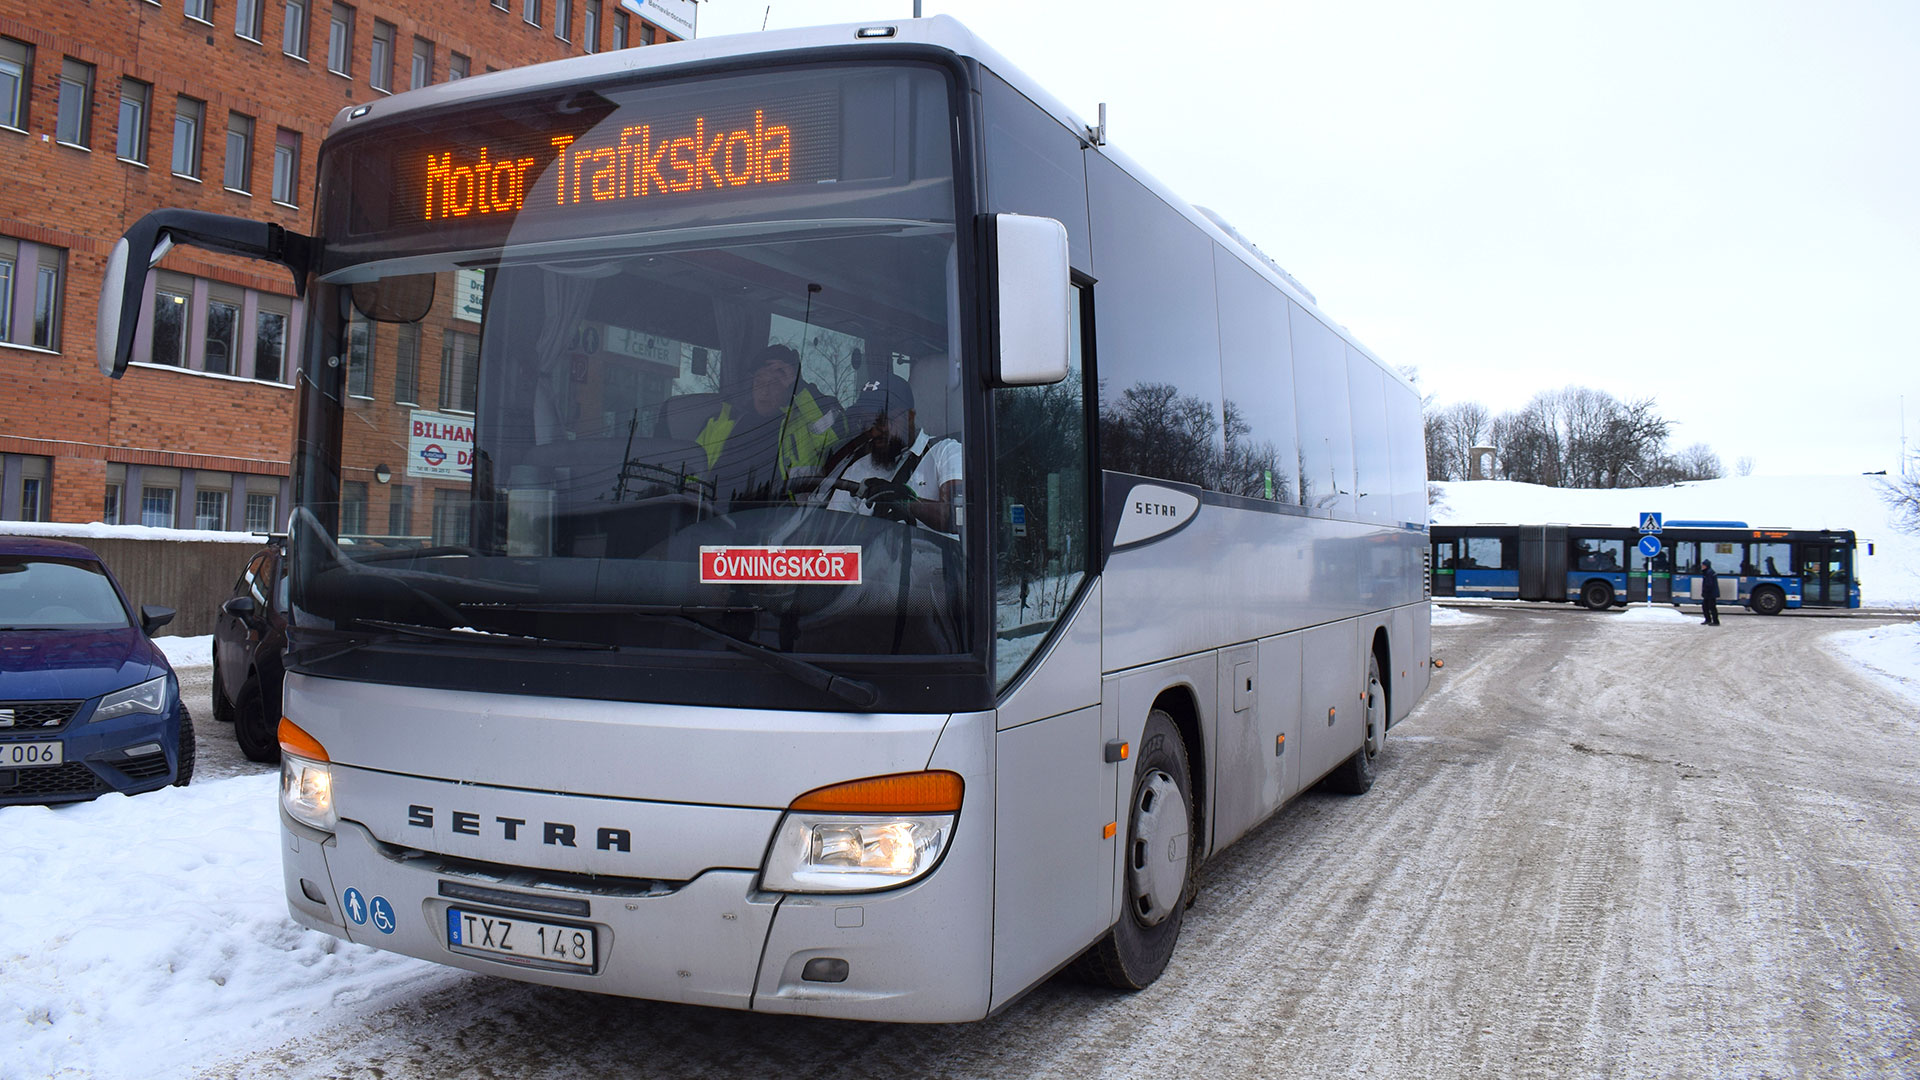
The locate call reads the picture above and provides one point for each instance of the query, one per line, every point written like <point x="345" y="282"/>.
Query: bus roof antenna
<point x="1097" y="135"/>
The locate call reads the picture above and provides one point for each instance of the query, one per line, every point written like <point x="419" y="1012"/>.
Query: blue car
<point x="88" y="704"/>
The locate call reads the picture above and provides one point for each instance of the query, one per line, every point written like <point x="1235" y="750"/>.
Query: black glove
<point x="889" y="500"/>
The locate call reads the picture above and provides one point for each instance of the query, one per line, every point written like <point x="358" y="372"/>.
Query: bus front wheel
<point x="1159" y="864"/>
<point x="1597" y="595"/>
<point x="1767" y="600"/>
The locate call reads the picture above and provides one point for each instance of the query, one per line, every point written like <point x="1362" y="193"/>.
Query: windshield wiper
<point x="482" y="637"/>
<point x="854" y="691"/>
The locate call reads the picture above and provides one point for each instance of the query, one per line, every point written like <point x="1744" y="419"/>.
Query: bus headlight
<point x="878" y="833"/>
<point x="839" y="854"/>
<point x="306" y="778"/>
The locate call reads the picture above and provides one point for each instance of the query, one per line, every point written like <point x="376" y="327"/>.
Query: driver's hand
<point x="889" y="500"/>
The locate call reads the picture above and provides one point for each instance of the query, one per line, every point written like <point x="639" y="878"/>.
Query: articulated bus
<point x="602" y="672"/>
<point x="1600" y="566"/>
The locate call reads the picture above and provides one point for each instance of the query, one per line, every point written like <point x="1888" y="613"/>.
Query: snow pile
<point x="1889" y="653"/>
<point x="1657" y="613"/>
<point x="143" y="936"/>
<point x="187" y="651"/>
<point x="1453" y="616"/>
<point x="1890" y="576"/>
<point x="96" y="529"/>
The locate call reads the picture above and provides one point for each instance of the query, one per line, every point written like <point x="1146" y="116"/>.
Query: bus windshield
<point x="646" y="367"/>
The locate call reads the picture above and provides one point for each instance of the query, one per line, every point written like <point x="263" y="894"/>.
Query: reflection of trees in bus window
<point x="1154" y="430"/>
<point x="1321" y="400"/>
<point x="1256" y="373"/>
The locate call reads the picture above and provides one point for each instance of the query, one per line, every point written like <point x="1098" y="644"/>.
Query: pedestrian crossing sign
<point x="1650" y="523"/>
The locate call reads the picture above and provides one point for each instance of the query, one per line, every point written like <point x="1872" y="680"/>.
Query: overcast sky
<point x="1713" y="204"/>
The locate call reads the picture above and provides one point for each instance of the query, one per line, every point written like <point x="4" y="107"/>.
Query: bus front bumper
<point x="921" y="953"/>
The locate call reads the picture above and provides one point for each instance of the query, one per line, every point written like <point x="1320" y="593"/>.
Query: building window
<point x="210" y="510"/>
<point x="340" y="41"/>
<point x="456" y="67"/>
<point x="134" y="98"/>
<point x="353" y="508"/>
<point x="223" y="319"/>
<point x="406" y="366"/>
<point x="422" y="64"/>
<point x="452" y="518"/>
<point x="646" y="33"/>
<point x="380" y="74"/>
<point x="359" y="356"/>
<point x="261" y="517"/>
<point x="187" y="117"/>
<point x="156" y="507"/>
<point x="200" y="9"/>
<point x="501" y="4"/>
<point x="530" y="11"/>
<point x="33" y="499"/>
<point x="46" y="302"/>
<point x="286" y="167"/>
<point x="400" y="510"/>
<point x="269" y="344"/>
<point x="459" y="371"/>
<point x="74" y="123"/>
<point x="562" y="17"/>
<point x="16" y="64"/>
<point x="239" y="176"/>
<point x="20" y="262"/>
<point x="110" y="507"/>
<point x="293" y="30"/>
<point x="590" y="29"/>
<point x="619" y="30"/>
<point x="170" y="326"/>
<point x="246" y="19"/>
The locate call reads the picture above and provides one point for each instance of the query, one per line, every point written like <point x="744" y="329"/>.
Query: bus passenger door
<point x="1442" y="567"/>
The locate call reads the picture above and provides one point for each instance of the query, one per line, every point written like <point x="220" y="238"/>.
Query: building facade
<point x="113" y="108"/>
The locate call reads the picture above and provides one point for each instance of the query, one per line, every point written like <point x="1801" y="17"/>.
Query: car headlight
<point x="872" y="834"/>
<point x="152" y="696"/>
<point x="306" y="778"/>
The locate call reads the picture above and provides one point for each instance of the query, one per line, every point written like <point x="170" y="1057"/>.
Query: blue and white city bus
<point x="604" y="674"/>
<point x="1601" y="566"/>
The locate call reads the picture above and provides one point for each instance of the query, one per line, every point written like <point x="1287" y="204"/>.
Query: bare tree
<point x="1699" y="462"/>
<point x="1902" y="496"/>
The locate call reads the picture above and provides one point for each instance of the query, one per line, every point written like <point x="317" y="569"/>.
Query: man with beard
<point x="900" y="472"/>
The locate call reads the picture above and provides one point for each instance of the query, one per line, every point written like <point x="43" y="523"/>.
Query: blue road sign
<point x="1649" y="545"/>
<point x="1650" y="524"/>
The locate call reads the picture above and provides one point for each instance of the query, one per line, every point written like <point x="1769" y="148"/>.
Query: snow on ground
<point x="143" y="935"/>
<point x="135" y="959"/>
<point x="1888" y="653"/>
<point x="1889" y="576"/>
<point x="96" y="529"/>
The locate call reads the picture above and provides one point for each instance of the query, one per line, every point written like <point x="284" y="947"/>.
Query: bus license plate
<point x="494" y="934"/>
<point x="24" y="754"/>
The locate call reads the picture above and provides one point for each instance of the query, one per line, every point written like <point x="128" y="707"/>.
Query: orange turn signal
<point x="936" y="792"/>
<point x="299" y="743"/>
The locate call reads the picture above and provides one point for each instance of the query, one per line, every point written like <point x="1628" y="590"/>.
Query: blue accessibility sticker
<point x="383" y="920"/>
<point x="356" y="906"/>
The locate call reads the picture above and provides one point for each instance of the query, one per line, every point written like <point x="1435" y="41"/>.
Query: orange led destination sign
<point x="641" y="162"/>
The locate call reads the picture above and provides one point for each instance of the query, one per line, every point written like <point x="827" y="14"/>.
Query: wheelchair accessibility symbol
<point x="382" y="915"/>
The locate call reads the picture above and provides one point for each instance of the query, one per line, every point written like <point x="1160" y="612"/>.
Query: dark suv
<point x="248" y="639"/>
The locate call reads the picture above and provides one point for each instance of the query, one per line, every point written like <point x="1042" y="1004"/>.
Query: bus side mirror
<point x="1034" y="290"/>
<point x="150" y="238"/>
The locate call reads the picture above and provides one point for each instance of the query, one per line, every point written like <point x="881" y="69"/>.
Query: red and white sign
<point x="780" y="566"/>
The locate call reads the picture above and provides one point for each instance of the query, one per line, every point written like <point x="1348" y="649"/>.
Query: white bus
<point x="610" y="668"/>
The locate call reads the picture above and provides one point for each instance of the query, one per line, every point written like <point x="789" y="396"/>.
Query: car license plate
<point x="491" y="933"/>
<point x="22" y="754"/>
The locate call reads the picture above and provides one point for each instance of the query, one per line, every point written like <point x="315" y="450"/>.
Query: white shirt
<point x="939" y="463"/>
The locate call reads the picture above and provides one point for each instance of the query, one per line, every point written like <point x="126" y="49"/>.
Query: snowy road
<point x="1605" y="845"/>
<point x="1602" y="847"/>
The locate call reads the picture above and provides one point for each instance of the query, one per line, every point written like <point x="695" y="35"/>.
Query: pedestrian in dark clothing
<point x="1709" y="595"/>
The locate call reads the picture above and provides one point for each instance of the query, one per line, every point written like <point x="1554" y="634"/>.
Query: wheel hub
<point x="1157" y="861"/>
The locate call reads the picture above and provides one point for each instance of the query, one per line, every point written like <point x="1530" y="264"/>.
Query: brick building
<point x="112" y="108"/>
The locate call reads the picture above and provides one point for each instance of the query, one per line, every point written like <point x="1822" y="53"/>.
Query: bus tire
<point x="1355" y="775"/>
<point x="1159" y="865"/>
<point x="1597" y="595"/>
<point x="1767" y="600"/>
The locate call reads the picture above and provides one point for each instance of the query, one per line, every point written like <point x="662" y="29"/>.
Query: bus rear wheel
<point x="1159" y="864"/>
<point x="1767" y="600"/>
<point x="1597" y="595"/>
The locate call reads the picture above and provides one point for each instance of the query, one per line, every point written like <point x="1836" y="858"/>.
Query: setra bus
<point x="603" y="674"/>
<point x="1600" y="566"/>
